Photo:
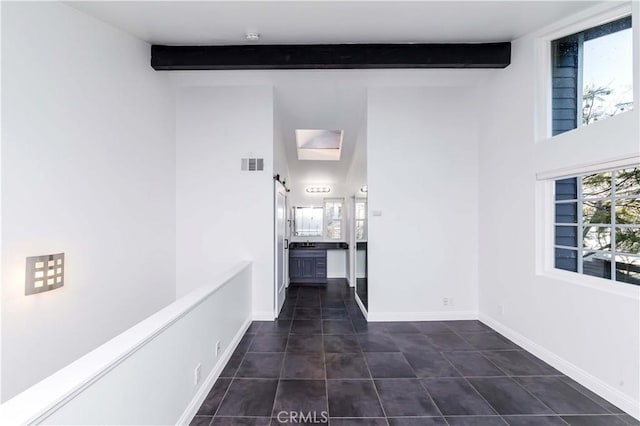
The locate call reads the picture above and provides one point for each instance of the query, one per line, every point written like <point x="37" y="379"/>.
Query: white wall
<point x="224" y="214"/>
<point x="422" y="158"/>
<point x="1" y="281"/>
<point x="586" y="327"/>
<point x="357" y="175"/>
<point x="280" y="164"/>
<point x="88" y="169"/>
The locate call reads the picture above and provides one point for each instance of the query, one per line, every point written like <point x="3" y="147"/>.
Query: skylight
<point x="319" y="144"/>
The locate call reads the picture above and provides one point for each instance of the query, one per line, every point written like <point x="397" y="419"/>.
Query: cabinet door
<point x="321" y="268"/>
<point x="308" y="267"/>
<point x="295" y="267"/>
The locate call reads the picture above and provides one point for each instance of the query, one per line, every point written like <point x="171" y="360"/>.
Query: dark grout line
<point x="234" y="374"/>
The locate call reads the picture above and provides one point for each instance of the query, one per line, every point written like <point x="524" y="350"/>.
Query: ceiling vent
<point x="252" y="164"/>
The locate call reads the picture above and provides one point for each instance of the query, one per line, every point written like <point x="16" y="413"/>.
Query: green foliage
<point x="595" y="104"/>
<point x="598" y="210"/>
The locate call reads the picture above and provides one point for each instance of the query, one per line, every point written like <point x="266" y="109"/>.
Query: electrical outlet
<point x="196" y="375"/>
<point x="218" y="345"/>
<point x="501" y="310"/>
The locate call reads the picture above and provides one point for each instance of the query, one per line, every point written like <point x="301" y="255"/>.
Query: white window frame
<point x="355" y="222"/>
<point x="579" y="225"/>
<point x="326" y="222"/>
<point x="545" y="235"/>
<point x="592" y="17"/>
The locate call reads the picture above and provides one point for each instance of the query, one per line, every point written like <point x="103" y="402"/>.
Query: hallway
<point x="323" y="357"/>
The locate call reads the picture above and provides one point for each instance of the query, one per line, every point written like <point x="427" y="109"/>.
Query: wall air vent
<point x="252" y="164"/>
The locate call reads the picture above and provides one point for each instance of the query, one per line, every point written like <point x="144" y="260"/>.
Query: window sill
<point x="614" y="121"/>
<point x="600" y="284"/>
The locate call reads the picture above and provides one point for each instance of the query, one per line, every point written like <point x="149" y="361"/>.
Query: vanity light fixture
<point x="44" y="273"/>
<point x="318" y="189"/>
<point x="252" y="36"/>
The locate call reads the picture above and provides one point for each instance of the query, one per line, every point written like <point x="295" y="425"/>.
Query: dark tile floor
<point x="322" y="357"/>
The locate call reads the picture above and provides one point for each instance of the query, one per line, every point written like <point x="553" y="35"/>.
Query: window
<point x="361" y="220"/>
<point x="333" y="215"/>
<point x="307" y="221"/>
<point x="597" y="225"/>
<point x="592" y="75"/>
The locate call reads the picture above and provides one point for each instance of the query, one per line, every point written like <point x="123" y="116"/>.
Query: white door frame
<point x="353" y="245"/>
<point x="279" y="191"/>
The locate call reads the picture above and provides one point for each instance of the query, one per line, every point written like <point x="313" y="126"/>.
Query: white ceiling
<point x="327" y="99"/>
<point x="322" y="105"/>
<point x="226" y="22"/>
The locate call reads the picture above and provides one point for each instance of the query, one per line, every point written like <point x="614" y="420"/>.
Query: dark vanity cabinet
<point x="308" y="266"/>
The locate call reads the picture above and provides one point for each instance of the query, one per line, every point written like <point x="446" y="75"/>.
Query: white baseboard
<point x="591" y="382"/>
<point x="193" y="407"/>
<point x="263" y="316"/>
<point x="362" y="308"/>
<point x="422" y="316"/>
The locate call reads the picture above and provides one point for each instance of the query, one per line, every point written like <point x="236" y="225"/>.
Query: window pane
<point x="334" y="230"/>
<point x="628" y="182"/>
<point x="628" y="240"/>
<point x="607" y="88"/>
<point x="567" y="189"/>
<point x="566" y="259"/>
<point x="628" y="211"/>
<point x="596" y="264"/>
<point x="597" y="238"/>
<point x="308" y="221"/>
<point x="592" y="75"/>
<point x="566" y="213"/>
<point x="567" y="236"/>
<point x="333" y="215"/>
<point x="628" y="269"/>
<point x="361" y="219"/>
<point x="564" y="74"/>
<point x="359" y="229"/>
<point x="593" y="245"/>
<point x="597" y="185"/>
<point x="333" y="210"/>
<point x="596" y="211"/>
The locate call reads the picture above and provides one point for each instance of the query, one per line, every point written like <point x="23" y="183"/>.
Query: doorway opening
<point x="319" y="150"/>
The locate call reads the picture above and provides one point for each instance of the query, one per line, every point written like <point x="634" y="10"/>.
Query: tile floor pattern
<point x="322" y="356"/>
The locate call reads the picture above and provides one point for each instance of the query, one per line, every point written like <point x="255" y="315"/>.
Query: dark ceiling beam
<point x="331" y="56"/>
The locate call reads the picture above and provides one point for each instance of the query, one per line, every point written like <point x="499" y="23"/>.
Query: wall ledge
<point x="46" y="397"/>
